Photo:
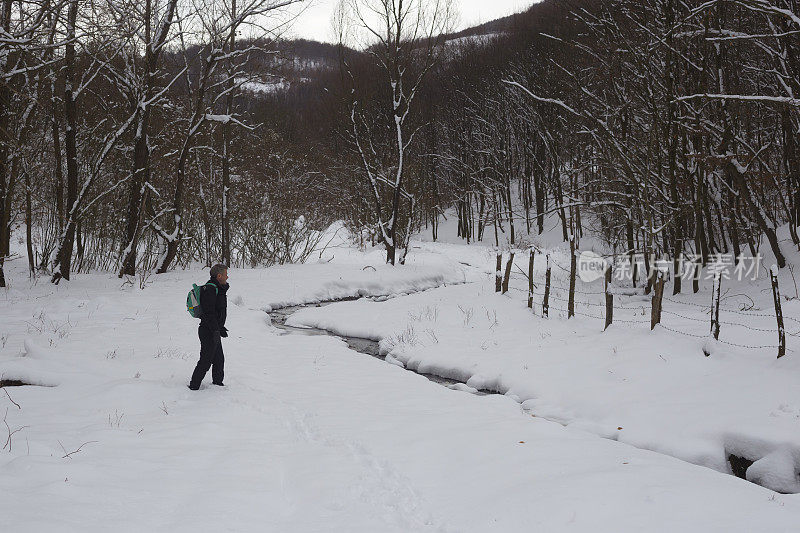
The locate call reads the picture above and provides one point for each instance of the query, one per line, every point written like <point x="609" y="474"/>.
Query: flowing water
<point x="357" y="344"/>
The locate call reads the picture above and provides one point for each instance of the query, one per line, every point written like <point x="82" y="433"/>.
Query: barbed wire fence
<point x="557" y="297"/>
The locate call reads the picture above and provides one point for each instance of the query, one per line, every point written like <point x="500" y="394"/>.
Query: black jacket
<point x="214" y="305"/>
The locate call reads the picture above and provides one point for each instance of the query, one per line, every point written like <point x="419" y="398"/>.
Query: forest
<point x="143" y="136"/>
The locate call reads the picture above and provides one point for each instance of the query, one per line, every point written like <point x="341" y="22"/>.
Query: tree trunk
<point x="757" y="210"/>
<point x="561" y="211"/>
<point x="5" y="139"/>
<point x="538" y="187"/>
<point x="207" y="225"/>
<point x="28" y="224"/>
<point x="141" y="156"/>
<point x="59" y="172"/>
<point x="792" y="168"/>
<point x="672" y="153"/>
<point x="172" y="240"/>
<point x="62" y="268"/>
<point x="226" y="149"/>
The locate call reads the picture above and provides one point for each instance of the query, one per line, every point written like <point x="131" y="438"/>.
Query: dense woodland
<point x="144" y="135"/>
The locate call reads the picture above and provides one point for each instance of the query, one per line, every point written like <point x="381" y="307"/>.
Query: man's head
<point x="219" y="273"/>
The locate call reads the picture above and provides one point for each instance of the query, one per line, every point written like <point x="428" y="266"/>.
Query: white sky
<point x="315" y="21"/>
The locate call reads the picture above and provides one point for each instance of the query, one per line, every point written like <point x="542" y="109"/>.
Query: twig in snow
<point x="68" y="455"/>
<point x="10" y="432"/>
<point x="11" y="399"/>
<point x="116" y="420"/>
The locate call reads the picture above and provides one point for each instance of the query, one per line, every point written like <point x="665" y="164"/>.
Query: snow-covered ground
<point x="654" y="390"/>
<point x="311" y="436"/>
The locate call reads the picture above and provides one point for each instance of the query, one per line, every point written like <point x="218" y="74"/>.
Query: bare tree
<point x="405" y="39"/>
<point x="106" y="48"/>
<point x="220" y="23"/>
<point x="156" y="21"/>
<point x="24" y="31"/>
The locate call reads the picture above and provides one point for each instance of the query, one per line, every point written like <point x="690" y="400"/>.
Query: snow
<point x="265" y="88"/>
<point x="479" y="40"/>
<point x="223" y="119"/>
<point x="658" y="386"/>
<point x="273" y="86"/>
<point x="776" y="470"/>
<point x="309" y="436"/>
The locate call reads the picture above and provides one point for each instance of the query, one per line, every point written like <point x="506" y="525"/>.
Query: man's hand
<point x="223" y="332"/>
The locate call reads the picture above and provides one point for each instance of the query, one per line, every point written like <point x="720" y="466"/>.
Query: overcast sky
<point x="315" y="21"/>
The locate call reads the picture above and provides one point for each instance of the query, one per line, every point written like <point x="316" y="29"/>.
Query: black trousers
<point x="211" y="356"/>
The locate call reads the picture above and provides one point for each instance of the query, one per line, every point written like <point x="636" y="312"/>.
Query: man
<point x="214" y="303"/>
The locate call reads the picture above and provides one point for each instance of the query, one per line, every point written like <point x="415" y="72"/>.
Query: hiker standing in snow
<point x="214" y="304"/>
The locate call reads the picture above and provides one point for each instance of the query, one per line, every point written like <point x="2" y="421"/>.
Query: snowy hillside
<point x="595" y="431"/>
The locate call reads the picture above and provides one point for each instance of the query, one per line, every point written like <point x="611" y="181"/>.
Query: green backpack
<point x="193" y="299"/>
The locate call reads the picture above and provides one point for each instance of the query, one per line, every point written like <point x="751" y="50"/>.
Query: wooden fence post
<point x="573" y="270"/>
<point x="498" y="274"/>
<point x="507" y="276"/>
<point x="658" y="299"/>
<point x="678" y="268"/>
<point x="609" y="299"/>
<point x="530" y="279"/>
<point x="715" y="297"/>
<point x="698" y="268"/>
<point x="776" y="294"/>
<point x="546" y="299"/>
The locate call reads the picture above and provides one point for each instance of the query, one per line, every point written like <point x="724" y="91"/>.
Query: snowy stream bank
<point x="357" y="344"/>
<point x="738" y="463"/>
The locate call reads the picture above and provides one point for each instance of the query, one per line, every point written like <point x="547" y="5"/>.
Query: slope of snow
<point x="655" y="390"/>
<point x="309" y="436"/>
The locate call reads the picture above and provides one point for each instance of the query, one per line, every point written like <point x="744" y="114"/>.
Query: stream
<point x="370" y="347"/>
<point x="357" y="344"/>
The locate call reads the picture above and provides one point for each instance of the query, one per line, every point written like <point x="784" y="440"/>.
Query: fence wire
<point x="705" y="308"/>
